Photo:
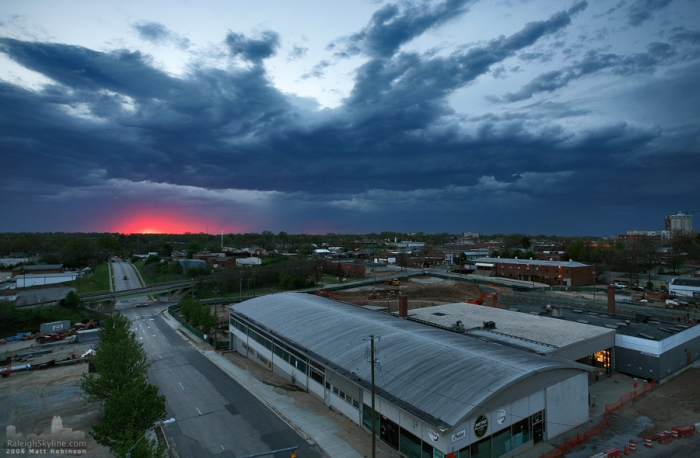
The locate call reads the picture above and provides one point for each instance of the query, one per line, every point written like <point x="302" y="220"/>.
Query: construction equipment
<point x="6" y="372"/>
<point x="374" y="295"/>
<point x="480" y="300"/>
<point x="392" y="282"/>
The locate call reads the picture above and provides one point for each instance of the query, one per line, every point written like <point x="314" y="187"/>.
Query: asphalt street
<point x="215" y="415"/>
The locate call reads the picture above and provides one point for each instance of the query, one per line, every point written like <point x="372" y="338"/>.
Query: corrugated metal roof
<point x="436" y="374"/>
<point x="534" y="262"/>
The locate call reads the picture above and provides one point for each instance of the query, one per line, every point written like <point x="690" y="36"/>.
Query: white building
<point x="437" y="392"/>
<point x="681" y="222"/>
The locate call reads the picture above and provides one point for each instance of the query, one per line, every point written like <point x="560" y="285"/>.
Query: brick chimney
<point x="611" y="300"/>
<point x="403" y="306"/>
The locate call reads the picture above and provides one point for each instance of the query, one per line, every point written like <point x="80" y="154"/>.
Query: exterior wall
<point x="553" y="275"/>
<point x="637" y="364"/>
<point x="567" y="405"/>
<point x="684" y="290"/>
<point x="44" y="279"/>
<point x="350" y="269"/>
<point x="649" y="359"/>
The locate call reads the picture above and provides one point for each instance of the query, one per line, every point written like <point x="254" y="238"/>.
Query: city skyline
<point x="567" y="118"/>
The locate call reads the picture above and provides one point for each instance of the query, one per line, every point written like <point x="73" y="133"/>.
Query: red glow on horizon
<point x="163" y="222"/>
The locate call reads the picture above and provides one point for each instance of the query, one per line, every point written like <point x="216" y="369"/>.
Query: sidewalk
<point x="607" y="390"/>
<point x="310" y="417"/>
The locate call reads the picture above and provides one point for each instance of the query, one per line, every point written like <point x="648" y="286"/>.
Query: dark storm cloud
<point x="254" y="50"/>
<point x="393" y="25"/>
<point x="393" y="149"/>
<point x="213" y="127"/>
<point x="642" y="10"/>
<point x="594" y="63"/>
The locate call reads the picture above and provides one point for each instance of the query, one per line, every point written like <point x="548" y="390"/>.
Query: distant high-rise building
<point x="681" y="222"/>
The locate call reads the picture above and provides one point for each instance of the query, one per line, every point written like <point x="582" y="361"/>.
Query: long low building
<point x="571" y="340"/>
<point x="566" y="273"/>
<point x="437" y="392"/>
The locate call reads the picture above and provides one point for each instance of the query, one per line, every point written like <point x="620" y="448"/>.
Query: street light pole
<point x="158" y="423"/>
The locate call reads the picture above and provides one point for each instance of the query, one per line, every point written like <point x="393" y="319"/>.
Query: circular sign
<point x="481" y="425"/>
<point x="433" y="435"/>
<point x="501" y="417"/>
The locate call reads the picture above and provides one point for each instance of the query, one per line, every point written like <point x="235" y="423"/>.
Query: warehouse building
<point x="572" y="340"/>
<point x="639" y="346"/>
<point x="438" y="393"/>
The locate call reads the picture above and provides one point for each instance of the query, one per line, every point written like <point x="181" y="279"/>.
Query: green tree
<point x="80" y="252"/>
<point x="130" y="404"/>
<point x="72" y="300"/>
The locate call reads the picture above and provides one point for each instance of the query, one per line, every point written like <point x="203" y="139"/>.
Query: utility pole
<point x="374" y="428"/>
<point x="240" y="291"/>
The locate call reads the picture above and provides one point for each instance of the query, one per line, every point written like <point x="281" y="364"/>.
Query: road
<point x="215" y="415"/>
<point x="124" y="276"/>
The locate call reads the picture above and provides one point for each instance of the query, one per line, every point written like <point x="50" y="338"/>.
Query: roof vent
<point x="489" y="325"/>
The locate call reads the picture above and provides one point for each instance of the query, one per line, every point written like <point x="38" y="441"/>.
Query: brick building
<point x="565" y="273"/>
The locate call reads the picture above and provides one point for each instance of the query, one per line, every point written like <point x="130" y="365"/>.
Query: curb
<point x="186" y="335"/>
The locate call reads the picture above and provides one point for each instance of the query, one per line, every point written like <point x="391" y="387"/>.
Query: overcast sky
<point x="530" y="116"/>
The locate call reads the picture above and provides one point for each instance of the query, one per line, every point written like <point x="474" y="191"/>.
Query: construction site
<point x="40" y="381"/>
<point x="421" y="292"/>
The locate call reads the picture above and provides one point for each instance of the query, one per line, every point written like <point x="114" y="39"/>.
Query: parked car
<point x="126" y="277"/>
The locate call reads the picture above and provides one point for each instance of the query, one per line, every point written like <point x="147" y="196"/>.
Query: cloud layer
<point x="577" y="137"/>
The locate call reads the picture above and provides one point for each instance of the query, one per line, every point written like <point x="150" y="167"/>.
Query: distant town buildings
<point x="681" y="222"/>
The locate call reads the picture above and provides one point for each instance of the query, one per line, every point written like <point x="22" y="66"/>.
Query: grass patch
<point x="97" y="281"/>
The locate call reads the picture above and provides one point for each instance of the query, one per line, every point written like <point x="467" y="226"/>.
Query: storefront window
<point x="501" y="442"/>
<point x="482" y="449"/>
<point x="463" y="453"/>
<point x="427" y="450"/>
<point x="410" y="444"/>
<point x="367" y="418"/>
<point x="521" y="433"/>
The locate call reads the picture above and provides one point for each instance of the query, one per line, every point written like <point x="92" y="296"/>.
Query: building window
<point x="520" y="433"/>
<point x="316" y="376"/>
<point x="344" y="396"/>
<point x="409" y="444"/>
<point x="482" y="449"/>
<point x="367" y="418"/>
<point x="501" y="442"/>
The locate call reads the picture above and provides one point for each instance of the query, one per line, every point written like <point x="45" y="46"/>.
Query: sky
<point x="499" y="116"/>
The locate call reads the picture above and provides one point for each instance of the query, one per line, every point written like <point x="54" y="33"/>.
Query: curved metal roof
<point x="438" y="375"/>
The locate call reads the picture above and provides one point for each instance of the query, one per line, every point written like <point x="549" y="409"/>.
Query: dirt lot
<point x="672" y="404"/>
<point x="675" y="403"/>
<point x="30" y="400"/>
<point x="421" y="292"/>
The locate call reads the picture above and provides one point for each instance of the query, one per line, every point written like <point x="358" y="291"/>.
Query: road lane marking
<point x="198" y="410"/>
<point x="181" y="385"/>
<point x="222" y="447"/>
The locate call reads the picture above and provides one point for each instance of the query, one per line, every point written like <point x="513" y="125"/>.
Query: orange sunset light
<point x="162" y="223"/>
